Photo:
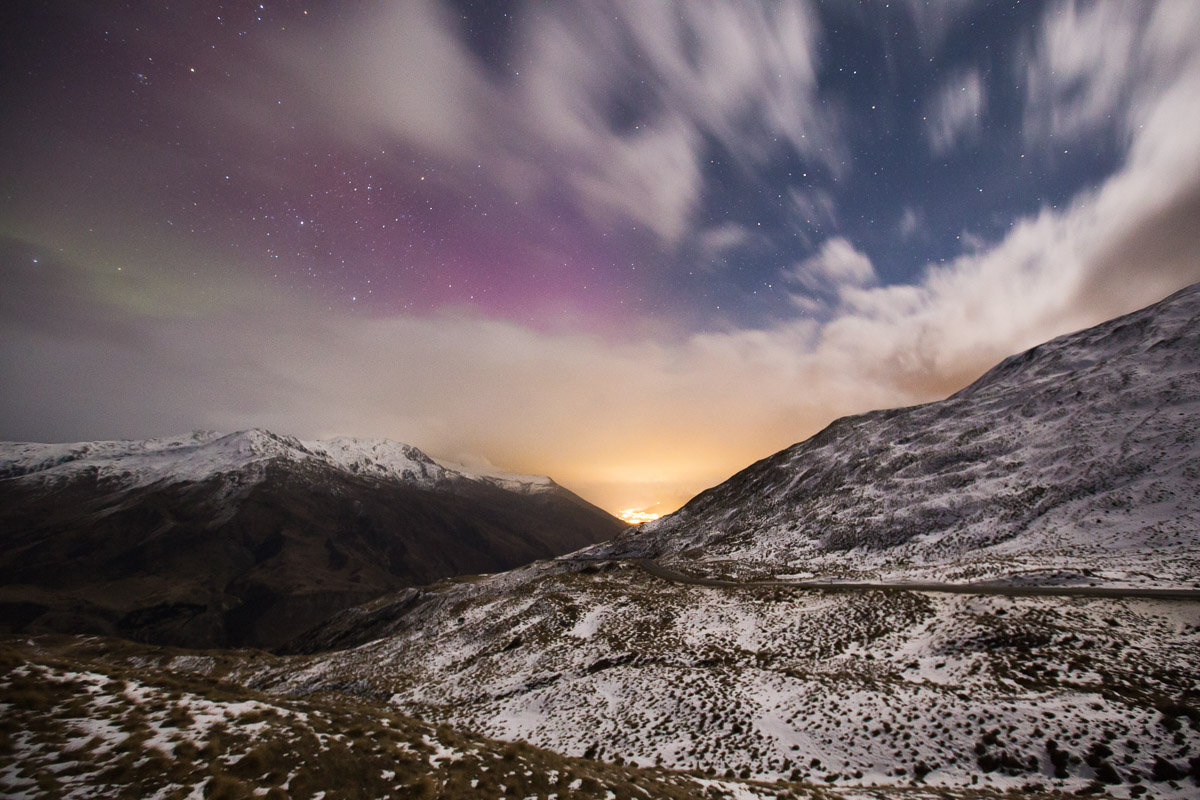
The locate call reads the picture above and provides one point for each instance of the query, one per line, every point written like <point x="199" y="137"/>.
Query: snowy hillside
<point x="111" y="719"/>
<point x="865" y="689"/>
<point x="1083" y="453"/>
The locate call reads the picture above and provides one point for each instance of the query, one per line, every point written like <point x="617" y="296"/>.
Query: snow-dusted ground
<point x="101" y="731"/>
<point x="86" y="719"/>
<point x="870" y="689"/>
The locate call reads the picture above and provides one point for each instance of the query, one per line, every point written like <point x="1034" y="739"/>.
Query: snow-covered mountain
<point x="1081" y="453"/>
<point x="203" y="454"/>
<point x="252" y="537"/>
<point x="1075" y="461"/>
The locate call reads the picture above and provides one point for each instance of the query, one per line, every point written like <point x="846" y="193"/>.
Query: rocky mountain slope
<point x="1074" y="462"/>
<point x="1083" y="453"/>
<point x="251" y="538"/>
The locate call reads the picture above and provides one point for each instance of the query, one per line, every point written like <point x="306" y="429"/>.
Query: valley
<point x="993" y="593"/>
<point x="600" y="400"/>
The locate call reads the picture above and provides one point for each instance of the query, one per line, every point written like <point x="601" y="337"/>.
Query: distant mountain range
<point x="251" y="538"/>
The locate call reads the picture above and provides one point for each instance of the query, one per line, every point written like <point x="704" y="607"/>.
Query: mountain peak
<point x="1128" y="337"/>
<point x="380" y="458"/>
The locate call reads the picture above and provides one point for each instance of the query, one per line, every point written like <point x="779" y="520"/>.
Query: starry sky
<point x="633" y="245"/>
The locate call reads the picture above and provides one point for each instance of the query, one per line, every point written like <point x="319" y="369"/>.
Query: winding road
<point x="658" y="570"/>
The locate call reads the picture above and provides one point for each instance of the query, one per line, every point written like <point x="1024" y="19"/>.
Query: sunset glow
<point x="636" y="516"/>
<point x="632" y="246"/>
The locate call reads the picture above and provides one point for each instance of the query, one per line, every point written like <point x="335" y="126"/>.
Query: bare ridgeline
<point x="1075" y="464"/>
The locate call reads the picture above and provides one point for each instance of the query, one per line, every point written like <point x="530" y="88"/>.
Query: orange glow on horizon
<point x="636" y="516"/>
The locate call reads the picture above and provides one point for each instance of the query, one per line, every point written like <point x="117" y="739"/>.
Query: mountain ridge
<point x="1048" y="452"/>
<point x="202" y="453"/>
<point x="251" y="538"/>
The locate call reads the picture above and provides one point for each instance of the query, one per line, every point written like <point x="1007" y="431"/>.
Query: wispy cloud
<point x="1084" y="63"/>
<point x="721" y="238"/>
<point x="1096" y="63"/>
<point x="910" y="222"/>
<point x="956" y="112"/>
<point x="745" y="77"/>
<point x="835" y="266"/>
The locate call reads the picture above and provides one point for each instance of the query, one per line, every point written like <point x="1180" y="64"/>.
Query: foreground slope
<point x="251" y="538"/>
<point x="1082" y="453"/>
<point x="87" y="718"/>
<point x="1074" y="462"/>
<point x="95" y="718"/>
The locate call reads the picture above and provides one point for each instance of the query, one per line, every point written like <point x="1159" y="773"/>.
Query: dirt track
<point x="654" y="568"/>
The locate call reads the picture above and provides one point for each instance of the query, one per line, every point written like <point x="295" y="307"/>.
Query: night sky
<point x="633" y="245"/>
